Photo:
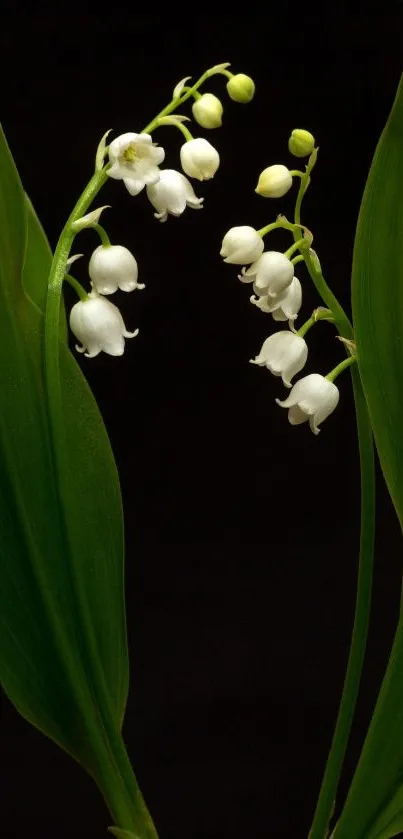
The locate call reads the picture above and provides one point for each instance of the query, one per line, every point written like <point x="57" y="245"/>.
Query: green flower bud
<point x="207" y="111"/>
<point x="301" y="142"/>
<point x="274" y="181"/>
<point x="241" y="88"/>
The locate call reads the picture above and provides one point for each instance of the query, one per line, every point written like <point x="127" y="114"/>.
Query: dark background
<point x="242" y="532"/>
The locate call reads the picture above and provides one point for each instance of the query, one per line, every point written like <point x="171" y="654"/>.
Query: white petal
<point x="292" y="301"/>
<point x="145" y="139"/>
<point x="94" y="350"/>
<point x="116" y="171"/>
<point x="289" y="402"/>
<point x="296" y="416"/>
<point x="277" y="313"/>
<point x="326" y="408"/>
<point x="158" y="155"/>
<point x="152" y="175"/>
<point x="191" y="198"/>
<point x="133" y="186"/>
<point x="163" y="216"/>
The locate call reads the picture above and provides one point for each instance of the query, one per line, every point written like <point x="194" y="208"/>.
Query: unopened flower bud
<point x="274" y="181"/>
<point x="241" y="88"/>
<point x="199" y="159"/>
<point x="207" y="111"/>
<point x="301" y="143"/>
<point x="241" y="245"/>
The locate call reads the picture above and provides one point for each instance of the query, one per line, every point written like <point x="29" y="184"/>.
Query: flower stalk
<point x="327" y="795"/>
<point x="113" y="772"/>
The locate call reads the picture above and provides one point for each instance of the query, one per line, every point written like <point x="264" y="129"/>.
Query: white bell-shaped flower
<point x="98" y="324"/>
<point x="135" y="159"/>
<point x="284" y="306"/>
<point x="172" y="194"/>
<point x="312" y="398"/>
<point x="112" y="267"/>
<point x="199" y="159"/>
<point x="241" y="244"/>
<point x="271" y="274"/>
<point x="274" y="181"/>
<point x="284" y="354"/>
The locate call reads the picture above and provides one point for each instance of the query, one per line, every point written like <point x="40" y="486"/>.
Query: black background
<point x="242" y="532"/>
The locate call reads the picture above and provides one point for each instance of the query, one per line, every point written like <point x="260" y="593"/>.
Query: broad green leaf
<point x="63" y="654"/>
<point x="374" y="806"/>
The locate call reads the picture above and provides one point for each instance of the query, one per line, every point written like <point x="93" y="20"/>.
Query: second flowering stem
<point x="327" y="795"/>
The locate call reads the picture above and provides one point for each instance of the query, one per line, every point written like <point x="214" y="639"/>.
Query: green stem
<point x="102" y="235"/>
<point x="281" y="222"/>
<point x="185" y="131"/>
<point x="342" y="321"/>
<point x="323" y="314"/>
<point x="55" y="283"/>
<point x="226" y="73"/>
<point x="78" y="288"/>
<point x="351" y="685"/>
<point x="340" y="367"/>
<point x="327" y="794"/>
<point x="113" y="772"/>
<point x="297" y="244"/>
<point x="176" y="103"/>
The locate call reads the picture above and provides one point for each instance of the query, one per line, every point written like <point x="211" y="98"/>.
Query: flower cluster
<point x="136" y="159"/>
<point x="277" y="291"/>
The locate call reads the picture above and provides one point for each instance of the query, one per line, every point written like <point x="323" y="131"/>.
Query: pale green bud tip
<point x="274" y="181"/>
<point x="301" y="142"/>
<point x="208" y="111"/>
<point x="241" y="88"/>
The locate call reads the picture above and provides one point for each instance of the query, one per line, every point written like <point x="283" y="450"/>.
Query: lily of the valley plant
<point x="61" y="549"/>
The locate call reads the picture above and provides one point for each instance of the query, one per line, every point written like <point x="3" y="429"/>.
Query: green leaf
<point x="63" y="652"/>
<point x="373" y="809"/>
